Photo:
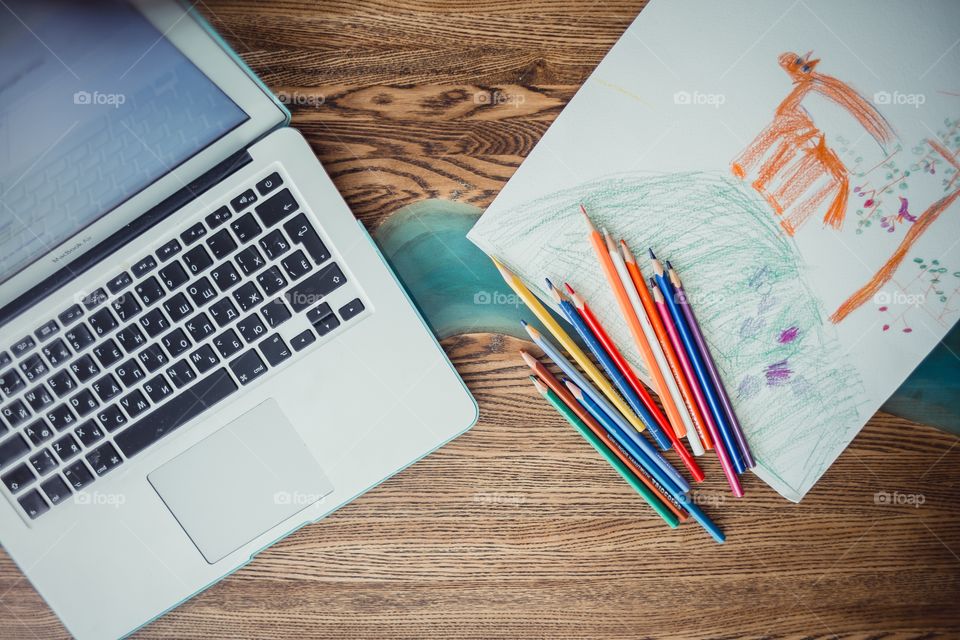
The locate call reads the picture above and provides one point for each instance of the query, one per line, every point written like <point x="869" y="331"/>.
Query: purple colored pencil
<point x="711" y="367"/>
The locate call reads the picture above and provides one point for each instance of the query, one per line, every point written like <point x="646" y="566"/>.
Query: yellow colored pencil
<point x="581" y="358"/>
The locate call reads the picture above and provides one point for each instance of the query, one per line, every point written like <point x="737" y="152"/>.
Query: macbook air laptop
<point x="201" y="349"/>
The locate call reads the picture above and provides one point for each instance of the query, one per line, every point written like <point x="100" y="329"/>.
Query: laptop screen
<point x="95" y="105"/>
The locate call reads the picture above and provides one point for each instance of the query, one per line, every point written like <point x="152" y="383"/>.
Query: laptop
<point x="201" y="349"/>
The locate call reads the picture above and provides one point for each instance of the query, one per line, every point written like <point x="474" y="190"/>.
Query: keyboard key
<point x="272" y="281"/>
<point x="202" y="292"/>
<point x="326" y="325"/>
<point x="5" y="359"/>
<point x="61" y="417"/>
<point x="38" y="398"/>
<point x="89" y="432"/>
<point x="127" y="307"/>
<point x="102" y="322"/>
<point x="320" y="284"/>
<point x="176" y="412"/>
<point x="178" y="308"/>
<point x="79" y="337"/>
<point x="275" y="350"/>
<point x="33" y="367"/>
<point x="218" y="217"/>
<point x="61" y="383"/>
<point x="157" y="388"/>
<point x="227" y="343"/>
<point x="203" y="359"/>
<point x="152" y="358"/>
<point x="38" y="432"/>
<point x="23" y="345"/>
<point x="15" y="413"/>
<point x="104" y="459"/>
<point x="18" y="478"/>
<point x="130" y="373"/>
<point x="71" y="315"/>
<point x="33" y="504"/>
<point x="225" y="276"/>
<point x="46" y="330"/>
<point x="150" y="291"/>
<point x="351" y="309"/>
<point x="111" y="418"/>
<point x="144" y="266"/>
<point x="245" y="228"/>
<point x="169" y="250"/>
<point x="248" y="367"/>
<point x="56" y="490"/>
<point x="243" y="200"/>
<point x="318" y="313"/>
<point x="134" y="403"/>
<point x="275" y="313"/>
<point x="131" y="338"/>
<point x="193" y="234"/>
<point x="173" y="275"/>
<point x="296" y="265"/>
<point x="276" y="208"/>
<point x="199" y="327"/>
<point x="84" y="368"/>
<point x="274" y="244"/>
<point x="303" y="340"/>
<point x="119" y="282"/>
<point x="11" y="383"/>
<point x="43" y="463"/>
<point x="251" y="328"/>
<point x="66" y="447"/>
<point x="107" y="388"/>
<point x="197" y="260"/>
<point x="12" y="448"/>
<point x="247" y="296"/>
<point x="181" y="373"/>
<point x="78" y="475"/>
<point x="95" y="299"/>
<point x="84" y="403"/>
<point x="107" y="353"/>
<point x="176" y="342"/>
<point x="302" y="233"/>
<point x="269" y="183"/>
<point x="154" y="323"/>
<point x="250" y="260"/>
<point x="224" y="312"/>
<point x="221" y="244"/>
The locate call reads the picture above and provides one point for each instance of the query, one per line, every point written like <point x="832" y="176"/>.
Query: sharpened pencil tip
<point x="669" y="266"/>
<point x="653" y="256"/>
<point x="574" y="389"/>
<point x="529" y="359"/>
<point x="549" y="284"/>
<point x="569" y="288"/>
<point x="542" y="388"/>
<point x="586" y="217"/>
<point x="523" y="322"/>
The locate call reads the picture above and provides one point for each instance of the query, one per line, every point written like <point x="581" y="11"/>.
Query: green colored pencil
<point x="669" y="517"/>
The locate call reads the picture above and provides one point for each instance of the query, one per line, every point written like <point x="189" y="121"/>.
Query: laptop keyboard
<point x="156" y="346"/>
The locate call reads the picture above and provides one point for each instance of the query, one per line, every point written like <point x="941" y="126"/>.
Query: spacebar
<point x="176" y="413"/>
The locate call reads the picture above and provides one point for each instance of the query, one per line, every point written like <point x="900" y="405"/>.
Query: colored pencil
<point x="671" y="476"/>
<point x="725" y="461"/>
<point x="633" y="322"/>
<point x="618" y="380"/>
<point x="660" y="503"/>
<point x="711" y="365"/>
<point x="699" y="439"/>
<point x="699" y="369"/>
<point x="567" y="342"/>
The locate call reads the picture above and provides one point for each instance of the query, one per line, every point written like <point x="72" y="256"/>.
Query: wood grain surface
<point x="518" y="529"/>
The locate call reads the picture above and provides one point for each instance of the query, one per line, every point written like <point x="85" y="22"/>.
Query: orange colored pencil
<point x="641" y="284"/>
<point x="642" y="474"/>
<point x="626" y="309"/>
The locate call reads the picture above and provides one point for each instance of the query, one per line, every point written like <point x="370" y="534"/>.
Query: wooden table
<point x="518" y="529"/>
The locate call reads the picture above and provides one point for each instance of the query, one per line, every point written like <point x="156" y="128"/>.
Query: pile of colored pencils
<point x="611" y="408"/>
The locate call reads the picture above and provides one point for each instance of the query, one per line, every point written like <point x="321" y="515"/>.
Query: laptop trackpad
<point x="241" y="481"/>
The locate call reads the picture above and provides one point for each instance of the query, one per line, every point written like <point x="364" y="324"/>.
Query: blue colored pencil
<point x="700" y="369"/>
<point x="567" y="367"/>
